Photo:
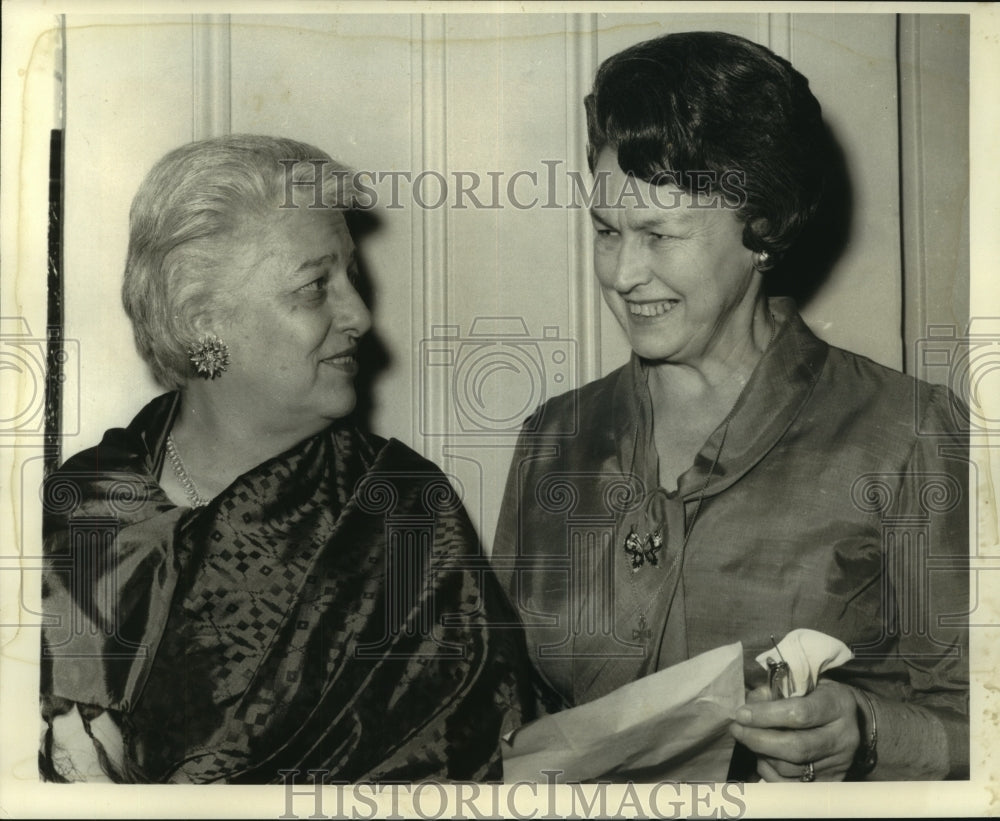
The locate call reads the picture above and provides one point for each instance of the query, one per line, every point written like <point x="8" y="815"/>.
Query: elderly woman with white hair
<point x="241" y="583"/>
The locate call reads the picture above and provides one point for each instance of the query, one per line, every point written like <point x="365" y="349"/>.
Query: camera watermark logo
<point x="24" y="370"/>
<point x="493" y="379"/>
<point x="912" y="564"/>
<point x="969" y="364"/>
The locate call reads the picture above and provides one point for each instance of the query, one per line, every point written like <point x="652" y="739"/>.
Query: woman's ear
<point x="757" y="228"/>
<point x="762" y="261"/>
<point x="754" y="232"/>
<point x="208" y="319"/>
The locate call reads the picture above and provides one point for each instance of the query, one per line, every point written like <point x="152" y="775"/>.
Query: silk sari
<point x="329" y="611"/>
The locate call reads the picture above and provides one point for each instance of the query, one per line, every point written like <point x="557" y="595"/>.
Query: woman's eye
<point x="317" y="285"/>
<point x="606" y="232"/>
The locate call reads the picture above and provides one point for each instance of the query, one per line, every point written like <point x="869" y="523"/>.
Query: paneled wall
<point x="481" y="312"/>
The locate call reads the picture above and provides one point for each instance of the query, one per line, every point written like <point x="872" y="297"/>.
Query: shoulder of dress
<point x="373" y="442"/>
<point x="118" y="450"/>
<point x="126" y="449"/>
<point x="923" y="407"/>
<point x="865" y="376"/>
<point x="564" y="414"/>
<point x="395" y="455"/>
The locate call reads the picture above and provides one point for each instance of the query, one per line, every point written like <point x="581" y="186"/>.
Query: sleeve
<point x="924" y="734"/>
<point x="506" y="560"/>
<point x="505" y="541"/>
<point x="106" y="592"/>
<point x="107" y="582"/>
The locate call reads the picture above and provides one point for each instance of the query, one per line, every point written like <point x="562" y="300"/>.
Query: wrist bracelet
<point x="867" y="756"/>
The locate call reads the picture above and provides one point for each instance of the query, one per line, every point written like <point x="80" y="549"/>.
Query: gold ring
<point x="808" y="773"/>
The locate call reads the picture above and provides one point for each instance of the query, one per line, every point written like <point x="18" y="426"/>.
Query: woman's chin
<point x="342" y="406"/>
<point x="305" y="421"/>
<point x="656" y="350"/>
<point x="654" y="337"/>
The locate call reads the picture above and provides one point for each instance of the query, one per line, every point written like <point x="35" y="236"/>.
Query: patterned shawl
<point x="327" y="611"/>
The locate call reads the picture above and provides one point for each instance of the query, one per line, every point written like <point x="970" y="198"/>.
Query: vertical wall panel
<point x="479" y="96"/>
<point x="510" y="294"/>
<point x="850" y="60"/>
<point x="934" y="141"/>
<point x="431" y="405"/>
<point x="211" y="88"/>
<point x="585" y="297"/>
<point x="353" y="86"/>
<point x="777" y="35"/>
<point x="128" y="102"/>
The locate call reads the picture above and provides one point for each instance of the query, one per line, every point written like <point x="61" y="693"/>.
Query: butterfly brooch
<point x="642" y="549"/>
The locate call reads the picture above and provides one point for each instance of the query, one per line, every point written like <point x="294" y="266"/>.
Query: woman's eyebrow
<point x="595" y="214"/>
<point x="671" y="217"/>
<point x="332" y="258"/>
<point x="663" y="217"/>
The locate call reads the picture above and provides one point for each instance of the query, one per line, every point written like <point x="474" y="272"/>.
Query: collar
<point x="152" y="425"/>
<point x="778" y="388"/>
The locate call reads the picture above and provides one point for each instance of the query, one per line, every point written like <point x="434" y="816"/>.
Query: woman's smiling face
<point x="293" y="333"/>
<point x="673" y="268"/>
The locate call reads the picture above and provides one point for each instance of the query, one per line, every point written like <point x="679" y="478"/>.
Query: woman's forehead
<point x="293" y="237"/>
<point x="302" y="222"/>
<point x="643" y="204"/>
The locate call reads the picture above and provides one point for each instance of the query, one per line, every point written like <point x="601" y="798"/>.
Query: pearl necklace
<point x="196" y="499"/>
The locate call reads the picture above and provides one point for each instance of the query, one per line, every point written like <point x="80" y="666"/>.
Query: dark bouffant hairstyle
<point x="709" y="101"/>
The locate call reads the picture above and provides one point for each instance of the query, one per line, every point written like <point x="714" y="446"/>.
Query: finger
<point x="758" y="694"/>
<point x="771" y="774"/>
<point x="799" y="712"/>
<point x="795" y="746"/>
<point x="825" y="769"/>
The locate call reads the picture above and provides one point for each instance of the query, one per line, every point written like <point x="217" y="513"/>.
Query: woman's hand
<point x="789" y="734"/>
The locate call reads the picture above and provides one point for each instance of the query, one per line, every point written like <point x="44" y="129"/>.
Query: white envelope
<point x="668" y="726"/>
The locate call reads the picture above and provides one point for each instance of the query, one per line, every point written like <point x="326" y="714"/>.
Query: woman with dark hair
<point x="242" y="586"/>
<point x="739" y="478"/>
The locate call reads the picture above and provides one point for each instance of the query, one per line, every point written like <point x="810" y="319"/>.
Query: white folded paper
<point x="808" y="653"/>
<point x="672" y="725"/>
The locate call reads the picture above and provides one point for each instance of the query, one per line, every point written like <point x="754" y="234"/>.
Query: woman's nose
<point x="631" y="268"/>
<point x="353" y="315"/>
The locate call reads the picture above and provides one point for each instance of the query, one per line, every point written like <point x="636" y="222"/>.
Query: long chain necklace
<point x="634" y="545"/>
<point x="196" y="499"/>
<point x="643" y="631"/>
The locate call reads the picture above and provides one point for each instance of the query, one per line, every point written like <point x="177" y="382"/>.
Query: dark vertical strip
<point x="906" y="363"/>
<point x="56" y="355"/>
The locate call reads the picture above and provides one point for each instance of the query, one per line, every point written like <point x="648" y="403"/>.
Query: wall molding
<point x="775" y="32"/>
<point x="913" y="223"/>
<point x="429" y="149"/>
<point x="933" y="91"/>
<point x="583" y="292"/>
<point x="211" y="81"/>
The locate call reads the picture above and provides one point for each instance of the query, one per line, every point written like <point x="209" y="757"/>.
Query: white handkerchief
<point x="808" y="653"/>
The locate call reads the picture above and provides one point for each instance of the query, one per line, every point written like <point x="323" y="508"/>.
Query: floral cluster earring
<point x="210" y="356"/>
<point x="762" y="261"/>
